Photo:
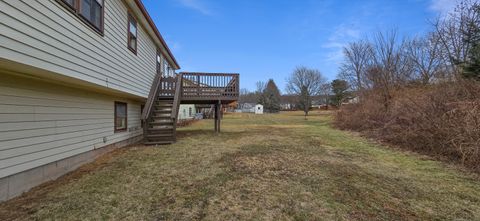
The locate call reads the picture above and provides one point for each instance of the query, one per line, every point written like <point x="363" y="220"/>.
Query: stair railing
<point x="147" y="110"/>
<point x="176" y="103"/>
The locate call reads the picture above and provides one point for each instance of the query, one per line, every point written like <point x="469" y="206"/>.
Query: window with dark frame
<point x="159" y="62"/>
<point x="89" y="11"/>
<point x="120" y="116"/>
<point x="71" y="3"/>
<point x="165" y="68"/>
<point x="132" y="34"/>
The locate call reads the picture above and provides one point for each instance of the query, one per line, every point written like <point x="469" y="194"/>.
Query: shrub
<point x="441" y="120"/>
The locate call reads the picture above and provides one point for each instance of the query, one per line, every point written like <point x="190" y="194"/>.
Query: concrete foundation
<point x="19" y="183"/>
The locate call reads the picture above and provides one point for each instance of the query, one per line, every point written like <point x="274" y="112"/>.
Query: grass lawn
<point x="266" y="167"/>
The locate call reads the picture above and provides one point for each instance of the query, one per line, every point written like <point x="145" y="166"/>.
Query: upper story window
<point x="159" y="62"/>
<point x="89" y="11"/>
<point x="71" y="3"/>
<point x="165" y="68"/>
<point x="132" y="34"/>
<point x="92" y="11"/>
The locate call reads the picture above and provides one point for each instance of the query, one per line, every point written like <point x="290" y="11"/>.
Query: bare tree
<point x="305" y="83"/>
<point x="425" y="53"/>
<point x="358" y="57"/>
<point x="259" y="92"/>
<point x="456" y="33"/>
<point x="326" y="90"/>
<point x="390" y="68"/>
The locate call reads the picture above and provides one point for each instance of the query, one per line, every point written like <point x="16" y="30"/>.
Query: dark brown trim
<point x="115" y="117"/>
<point x="129" y="35"/>
<point x="76" y="11"/>
<point x="154" y="27"/>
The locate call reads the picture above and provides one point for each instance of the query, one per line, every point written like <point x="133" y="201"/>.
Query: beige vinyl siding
<point x="42" y="122"/>
<point x="43" y="34"/>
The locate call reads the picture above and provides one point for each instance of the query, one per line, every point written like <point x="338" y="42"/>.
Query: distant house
<point x="246" y="108"/>
<point x="187" y="111"/>
<point x="258" y="109"/>
<point x="288" y="102"/>
<point x="351" y="100"/>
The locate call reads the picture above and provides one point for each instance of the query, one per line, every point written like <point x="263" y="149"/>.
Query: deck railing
<point x="210" y="86"/>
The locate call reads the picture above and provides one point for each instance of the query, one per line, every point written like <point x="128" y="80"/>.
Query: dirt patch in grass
<point x="269" y="167"/>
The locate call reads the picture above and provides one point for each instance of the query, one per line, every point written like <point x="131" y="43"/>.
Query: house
<point x="79" y="78"/>
<point x="258" y="109"/>
<point x="288" y="102"/>
<point x="187" y="111"/>
<point x="245" y="108"/>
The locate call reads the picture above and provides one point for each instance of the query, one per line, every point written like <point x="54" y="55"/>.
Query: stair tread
<point x="160" y="135"/>
<point x="158" y="142"/>
<point x="160" y="122"/>
<point x="163" y="128"/>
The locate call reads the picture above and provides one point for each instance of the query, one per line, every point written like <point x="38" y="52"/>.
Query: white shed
<point x="258" y="109"/>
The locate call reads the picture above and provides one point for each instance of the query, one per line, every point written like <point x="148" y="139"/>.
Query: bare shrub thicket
<point x="412" y="93"/>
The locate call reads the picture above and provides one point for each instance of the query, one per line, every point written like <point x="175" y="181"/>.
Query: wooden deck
<point x="167" y="93"/>
<point x="209" y="88"/>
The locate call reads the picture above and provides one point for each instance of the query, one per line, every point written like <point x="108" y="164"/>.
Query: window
<point x="159" y="62"/>
<point x="89" y="11"/>
<point x="165" y="68"/>
<point x="70" y="3"/>
<point x="120" y="116"/>
<point x="132" y="34"/>
<point x="189" y="111"/>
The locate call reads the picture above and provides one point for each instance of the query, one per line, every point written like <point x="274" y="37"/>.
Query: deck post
<point x="217" y="116"/>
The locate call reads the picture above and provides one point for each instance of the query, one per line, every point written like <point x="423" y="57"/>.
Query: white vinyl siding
<point x="46" y="35"/>
<point x="42" y="123"/>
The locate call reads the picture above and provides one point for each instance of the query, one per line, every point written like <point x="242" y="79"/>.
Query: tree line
<point x="422" y="92"/>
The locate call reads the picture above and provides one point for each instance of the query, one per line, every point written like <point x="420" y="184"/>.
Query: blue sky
<point x="262" y="39"/>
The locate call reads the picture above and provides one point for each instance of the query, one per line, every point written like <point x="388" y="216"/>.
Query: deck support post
<point x="218" y="106"/>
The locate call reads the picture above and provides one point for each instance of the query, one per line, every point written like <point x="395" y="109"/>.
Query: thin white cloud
<point x="196" y="5"/>
<point x="338" y="39"/>
<point x="342" y="34"/>
<point x="443" y="7"/>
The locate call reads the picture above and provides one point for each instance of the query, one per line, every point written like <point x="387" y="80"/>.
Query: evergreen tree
<point x="271" y="97"/>
<point x="340" y="91"/>
<point x="472" y="69"/>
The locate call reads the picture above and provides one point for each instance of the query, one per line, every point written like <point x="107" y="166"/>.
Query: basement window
<point x="120" y="116"/>
<point x="132" y="34"/>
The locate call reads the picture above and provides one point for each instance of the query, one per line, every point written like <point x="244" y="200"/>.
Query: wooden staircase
<point x="160" y="113"/>
<point x="160" y="128"/>
<point x="160" y="119"/>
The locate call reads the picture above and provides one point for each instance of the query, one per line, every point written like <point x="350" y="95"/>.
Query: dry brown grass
<point x="439" y="120"/>
<point x="270" y="167"/>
